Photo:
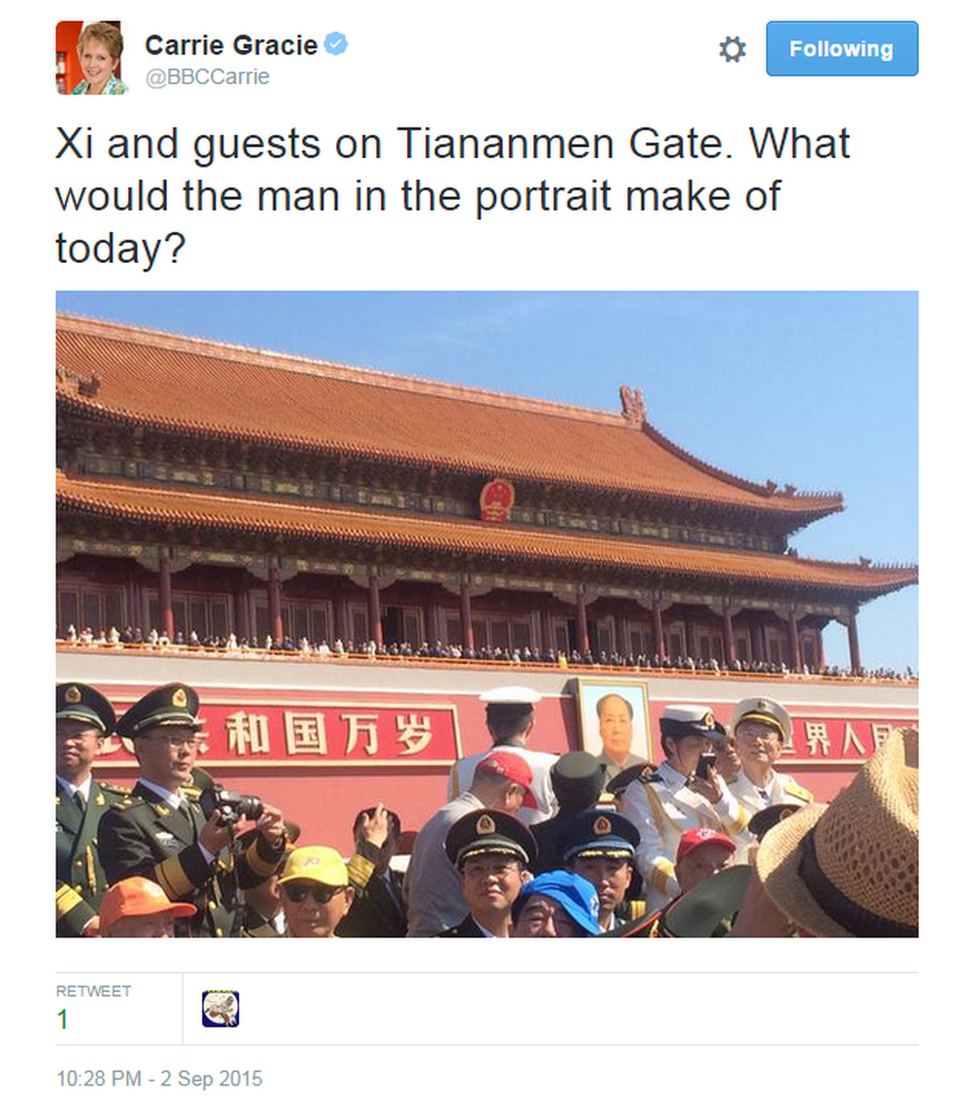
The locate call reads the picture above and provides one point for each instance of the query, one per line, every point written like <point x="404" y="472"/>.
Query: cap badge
<point x="602" y="826"/>
<point x="485" y="825"/>
<point x="763" y="704"/>
<point x="179" y="698"/>
<point x="72" y="695"/>
<point x="788" y="812"/>
<point x="709" y="720"/>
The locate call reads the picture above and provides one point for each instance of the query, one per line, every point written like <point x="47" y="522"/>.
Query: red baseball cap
<point x="694" y="838"/>
<point x="514" y="768"/>
<point x="139" y="897"/>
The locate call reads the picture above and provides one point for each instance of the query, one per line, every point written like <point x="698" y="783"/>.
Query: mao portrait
<point x="614" y="723"/>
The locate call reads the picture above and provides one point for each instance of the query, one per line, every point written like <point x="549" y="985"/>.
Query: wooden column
<point x="660" y="645"/>
<point x="852" y="642"/>
<point x="467" y="623"/>
<point x="729" y="637"/>
<point x="582" y="637"/>
<point x="340" y="609"/>
<point x="430" y="621"/>
<point x="794" y="642"/>
<point x="756" y="637"/>
<point x="548" y="634"/>
<point x="375" y="615"/>
<point x="165" y="594"/>
<point x="621" y="639"/>
<point x="274" y="607"/>
<point x="240" y="611"/>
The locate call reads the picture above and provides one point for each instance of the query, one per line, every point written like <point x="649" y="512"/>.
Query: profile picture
<point x="613" y="716"/>
<point x="88" y="58"/>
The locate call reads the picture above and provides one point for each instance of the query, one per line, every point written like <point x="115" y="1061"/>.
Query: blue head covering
<point x="577" y="896"/>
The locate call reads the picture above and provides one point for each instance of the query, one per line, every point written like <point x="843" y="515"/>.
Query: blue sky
<point x="819" y="390"/>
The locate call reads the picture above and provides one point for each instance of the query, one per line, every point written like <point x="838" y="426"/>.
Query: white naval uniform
<point x="462" y="776"/>
<point x="783" y="788"/>
<point x="663" y="809"/>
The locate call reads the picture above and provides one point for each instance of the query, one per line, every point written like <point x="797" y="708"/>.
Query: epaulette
<point x="113" y="789"/>
<point x="130" y="802"/>
<point x="796" y="791"/>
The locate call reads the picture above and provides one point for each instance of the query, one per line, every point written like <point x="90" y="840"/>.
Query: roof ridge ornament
<point x="87" y="386"/>
<point x="634" y="410"/>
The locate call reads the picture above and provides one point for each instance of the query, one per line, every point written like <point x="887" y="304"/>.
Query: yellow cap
<point x="315" y="864"/>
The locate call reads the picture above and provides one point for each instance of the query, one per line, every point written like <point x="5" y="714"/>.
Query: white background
<point x="895" y="216"/>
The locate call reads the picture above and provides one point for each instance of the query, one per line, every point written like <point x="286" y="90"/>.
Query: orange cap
<point x="139" y="897"/>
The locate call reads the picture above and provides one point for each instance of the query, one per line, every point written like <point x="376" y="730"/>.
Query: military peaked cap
<point x="766" y="712"/>
<point x="489" y="831"/>
<point x="760" y="823"/>
<point x="685" y="721"/>
<point x="170" y="705"/>
<point x="84" y="704"/>
<point x="599" y="833"/>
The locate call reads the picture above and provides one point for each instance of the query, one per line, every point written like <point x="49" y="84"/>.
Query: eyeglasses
<point x="299" y="891"/>
<point x="177" y="741"/>
<point x="767" y="737"/>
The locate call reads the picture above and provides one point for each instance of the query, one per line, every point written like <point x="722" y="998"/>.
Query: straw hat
<point x="851" y="868"/>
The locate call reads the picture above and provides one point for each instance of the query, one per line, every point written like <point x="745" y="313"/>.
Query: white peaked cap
<point x="511" y="695"/>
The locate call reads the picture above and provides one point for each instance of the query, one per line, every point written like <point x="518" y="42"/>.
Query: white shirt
<point x="72" y="790"/>
<point x="663" y="810"/>
<point x="781" y="788"/>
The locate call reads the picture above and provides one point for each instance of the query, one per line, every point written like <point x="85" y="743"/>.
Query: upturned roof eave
<point x="860" y="589"/>
<point x="797" y="514"/>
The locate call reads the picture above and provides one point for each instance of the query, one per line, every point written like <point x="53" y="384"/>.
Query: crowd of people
<point x="133" y="637"/>
<point x="711" y="841"/>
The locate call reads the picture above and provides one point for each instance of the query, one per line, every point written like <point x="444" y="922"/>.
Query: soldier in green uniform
<point x="161" y="834"/>
<point x="83" y="717"/>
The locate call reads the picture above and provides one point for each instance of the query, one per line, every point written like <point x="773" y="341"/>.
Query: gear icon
<point x="732" y="49"/>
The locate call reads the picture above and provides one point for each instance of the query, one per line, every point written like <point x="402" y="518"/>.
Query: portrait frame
<point x="590" y="691"/>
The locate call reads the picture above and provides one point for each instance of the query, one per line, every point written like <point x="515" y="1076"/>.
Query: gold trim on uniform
<point x="741" y="822"/>
<point x="360" y="870"/>
<point x="257" y="864"/>
<point x="663" y="871"/>
<point x="797" y="791"/>
<point x="173" y="879"/>
<point x="65" y="899"/>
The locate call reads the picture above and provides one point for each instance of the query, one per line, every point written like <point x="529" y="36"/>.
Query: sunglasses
<point x="299" y="891"/>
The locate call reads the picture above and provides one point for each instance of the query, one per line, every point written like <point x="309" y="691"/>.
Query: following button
<point x="842" y="49"/>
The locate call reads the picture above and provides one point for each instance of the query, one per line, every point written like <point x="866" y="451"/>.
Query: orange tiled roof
<point x="215" y="512"/>
<point x="214" y="389"/>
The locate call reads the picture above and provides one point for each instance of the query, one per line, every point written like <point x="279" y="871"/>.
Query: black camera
<point x="230" y="805"/>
